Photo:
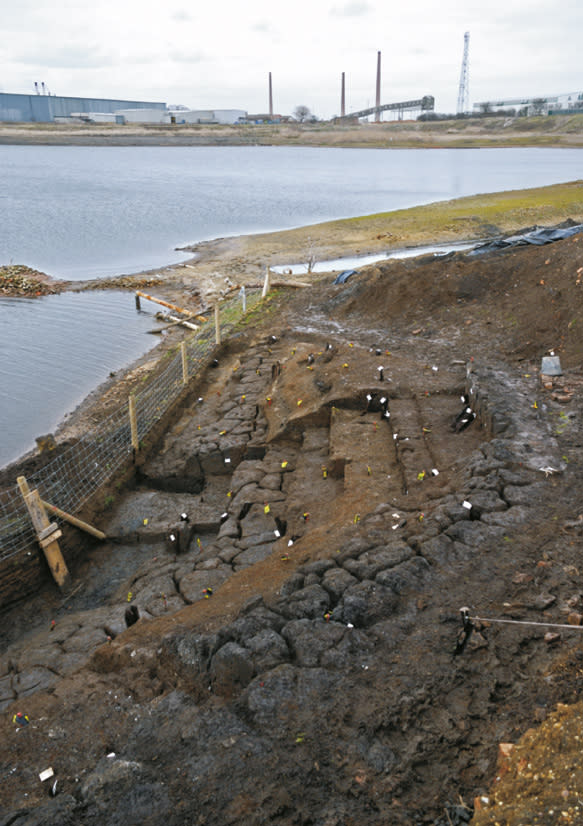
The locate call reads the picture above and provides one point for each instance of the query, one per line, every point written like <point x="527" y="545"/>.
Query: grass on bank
<point x="469" y="218"/>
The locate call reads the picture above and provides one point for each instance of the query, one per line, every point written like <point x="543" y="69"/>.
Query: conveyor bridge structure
<point x="424" y="104"/>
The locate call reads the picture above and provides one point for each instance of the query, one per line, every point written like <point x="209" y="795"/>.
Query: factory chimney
<point x="342" y="98"/>
<point x="378" y="96"/>
<point x="270" y="97"/>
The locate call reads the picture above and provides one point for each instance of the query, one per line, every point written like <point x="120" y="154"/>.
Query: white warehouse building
<point x="207" y="115"/>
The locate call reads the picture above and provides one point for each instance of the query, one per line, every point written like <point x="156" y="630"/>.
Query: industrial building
<point x="48" y="108"/>
<point x="45" y="108"/>
<point x="207" y="116"/>
<point x="568" y="103"/>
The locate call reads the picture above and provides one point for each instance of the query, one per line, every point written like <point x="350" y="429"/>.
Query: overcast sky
<point x="218" y="54"/>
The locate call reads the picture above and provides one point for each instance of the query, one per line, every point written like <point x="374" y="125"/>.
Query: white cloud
<point x="167" y="50"/>
<point x="356" y="8"/>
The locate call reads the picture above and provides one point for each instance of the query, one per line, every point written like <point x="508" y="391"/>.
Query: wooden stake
<point x="73" y="520"/>
<point x="133" y="423"/>
<point x="184" y="362"/>
<point x="217" y="324"/>
<point x="266" y="283"/>
<point x="47" y="533"/>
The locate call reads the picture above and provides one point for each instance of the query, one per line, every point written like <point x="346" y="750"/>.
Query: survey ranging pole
<point x="463" y="98"/>
<point x="343" y="97"/>
<point x="270" y="97"/>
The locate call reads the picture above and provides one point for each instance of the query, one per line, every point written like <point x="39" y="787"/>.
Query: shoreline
<point x="564" y="130"/>
<point x="241" y="260"/>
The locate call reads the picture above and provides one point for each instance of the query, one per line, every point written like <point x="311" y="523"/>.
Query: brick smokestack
<point x="378" y="95"/>
<point x="343" y="98"/>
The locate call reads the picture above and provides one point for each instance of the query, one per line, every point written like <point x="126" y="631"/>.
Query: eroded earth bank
<point x="300" y="657"/>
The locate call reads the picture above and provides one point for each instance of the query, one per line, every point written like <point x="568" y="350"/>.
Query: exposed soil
<point x="19" y="280"/>
<point x="300" y="656"/>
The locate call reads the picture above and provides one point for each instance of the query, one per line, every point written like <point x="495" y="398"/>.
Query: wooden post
<point x="47" y="533"/>
<point x="133" y="423"/>
<point x="217" y="324"/>
<point x="184" y="362"/>
<point x="266" y="283"/>
<point x="138" y="305"/>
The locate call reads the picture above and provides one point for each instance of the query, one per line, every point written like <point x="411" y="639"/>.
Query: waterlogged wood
<point x="73" y="520"/>
<point x="47" y="533"/>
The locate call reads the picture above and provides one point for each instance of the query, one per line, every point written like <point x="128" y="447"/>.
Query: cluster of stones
<point x="325" y="606"/>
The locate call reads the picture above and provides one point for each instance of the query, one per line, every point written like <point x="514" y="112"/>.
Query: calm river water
<point x="85" y="212"/>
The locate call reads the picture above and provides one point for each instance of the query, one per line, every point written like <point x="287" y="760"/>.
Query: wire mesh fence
<point x="71" y="478"/>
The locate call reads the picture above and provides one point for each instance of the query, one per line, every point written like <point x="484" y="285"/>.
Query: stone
<point x="311" y="602"/>
<point x="192" y="585"/>
<point x="457" y="512"/>
<point x="336" y="581"/>
<point x="271" y="481"/>
<point x="293" y="583"/>
<point x="228" y="553"/>
<point x="407" y="575"/>
<point x="247" y="473"/>
<point x="517" y="515"/>
<point x="229" y="528"/>
<point x="109" y="780"/>
<point x="438" y="550"/>
<point x="308" y="639"/>
<point x="318" y="567"/>
<point x="257" y="521"/>
<point x="288" y="696"/>
<point x="523" y="495"/>
<point x="485" y="501"/>
<point x="474" y="533"/>
<point x="366" y="603"/>
<point x="353" y="548"/>
<point x="257" y="553"/>
<point x="268" y="649"/>
<point x="256" y="539"/>
<point x="231" y="669"/>
<point x="192" y="652"/>
<point x="352" y="651"/>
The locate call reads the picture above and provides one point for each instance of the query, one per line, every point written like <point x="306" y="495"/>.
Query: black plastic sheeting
<point x="538" y="237"/>
<point x="344" y="276"/>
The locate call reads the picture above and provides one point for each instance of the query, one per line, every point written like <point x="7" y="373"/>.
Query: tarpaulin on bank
<point x="538" y="237"/>
<point x="344" y="276"/>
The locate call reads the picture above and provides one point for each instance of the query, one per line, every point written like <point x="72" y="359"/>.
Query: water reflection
<point x="67" y="345"/>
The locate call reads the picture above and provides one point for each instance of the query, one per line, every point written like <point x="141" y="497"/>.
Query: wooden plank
<point x="169" y="305"/>
<point x="52" y="537"/>
<point x="73" y="520"/>
<point x="50" y="546"/>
